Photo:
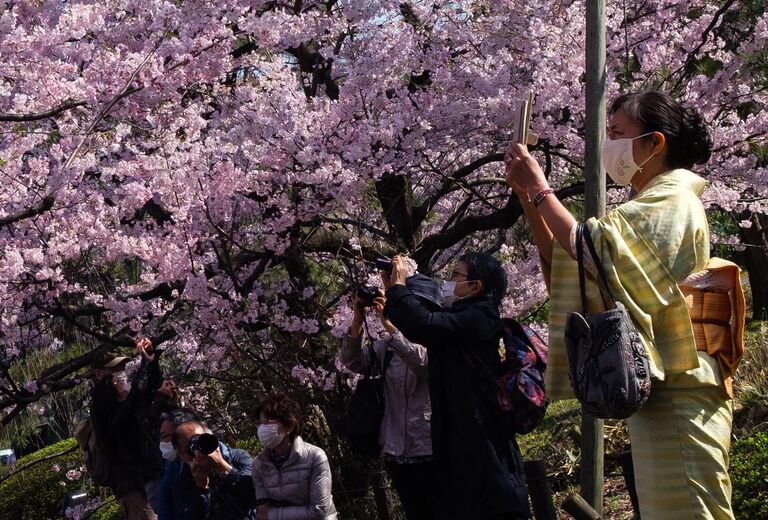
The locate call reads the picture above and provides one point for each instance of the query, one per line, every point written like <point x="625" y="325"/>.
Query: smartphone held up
<point x="522" y="121"/>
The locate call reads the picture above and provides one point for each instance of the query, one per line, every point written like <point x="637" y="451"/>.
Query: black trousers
<point x="416" y="486"/>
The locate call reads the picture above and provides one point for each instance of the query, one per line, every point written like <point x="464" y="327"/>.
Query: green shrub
<point x="249" y="444"/>
<point x="37" y="492"/>
<point x="109" y="510"/>
<point x="749" y="473"/>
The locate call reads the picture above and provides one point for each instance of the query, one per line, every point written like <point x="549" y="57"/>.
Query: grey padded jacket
<point x="304" y="481"/>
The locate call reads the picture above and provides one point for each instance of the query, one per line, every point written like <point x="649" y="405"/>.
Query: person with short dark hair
<point x="163" y="502"/>
<point x="292" y="478"/>
<point x="478" y="467"/>
<point x="405" y="436"/>
<point x="215" y="481"/>
<point x="647" y="247"/>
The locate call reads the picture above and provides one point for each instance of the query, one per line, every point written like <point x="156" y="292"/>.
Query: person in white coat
<point x="292" y="478"/>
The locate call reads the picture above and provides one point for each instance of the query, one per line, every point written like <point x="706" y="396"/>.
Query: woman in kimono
<point x="647" y="246"/>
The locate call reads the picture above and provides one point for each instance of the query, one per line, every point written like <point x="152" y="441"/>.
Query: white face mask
<point x="168" y="451"/>
<point x="269" y="436"/>
<point x="618" y="160"/>
<point x="448" y="292"/>
<point x="122" y="384"/>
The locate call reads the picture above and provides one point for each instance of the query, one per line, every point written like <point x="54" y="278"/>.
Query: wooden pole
<point x="539" y="490"/>
<point x="592" y="441"/>
<point x="579" y="509"/>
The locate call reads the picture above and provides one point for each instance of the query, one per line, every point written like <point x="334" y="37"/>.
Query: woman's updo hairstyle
<point x="689" y="140"/>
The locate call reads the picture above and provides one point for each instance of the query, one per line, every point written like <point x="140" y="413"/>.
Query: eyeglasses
<point x="458" y="273"/>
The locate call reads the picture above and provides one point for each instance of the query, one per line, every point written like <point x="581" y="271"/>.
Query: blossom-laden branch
<point x="261" y="157"/>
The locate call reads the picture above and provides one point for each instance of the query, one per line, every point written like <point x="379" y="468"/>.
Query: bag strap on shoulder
<point x="580" y="260"/>
<point x="583" y="236"/>
<point x="375" y="369"/>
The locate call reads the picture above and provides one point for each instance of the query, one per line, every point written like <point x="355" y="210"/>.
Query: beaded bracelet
<point x="540" y="196"/>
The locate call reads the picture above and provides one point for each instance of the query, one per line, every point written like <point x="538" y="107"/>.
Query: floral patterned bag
<point x="520" y="387"/>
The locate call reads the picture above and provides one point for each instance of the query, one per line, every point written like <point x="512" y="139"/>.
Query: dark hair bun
<point x="697" y="136"/>
<point x="689" y="140"/>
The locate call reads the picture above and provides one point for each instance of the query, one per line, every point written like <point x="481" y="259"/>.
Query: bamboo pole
<point x="592" y="441"/>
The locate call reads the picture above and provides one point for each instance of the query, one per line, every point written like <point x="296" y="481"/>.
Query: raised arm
<point x="542" y="237"/>
<point x="549" y="217"/>
<point x="354" y="356"/>
<point x="410" y="353"/>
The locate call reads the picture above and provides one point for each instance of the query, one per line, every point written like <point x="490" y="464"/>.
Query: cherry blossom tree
<point x="216" y="175"/>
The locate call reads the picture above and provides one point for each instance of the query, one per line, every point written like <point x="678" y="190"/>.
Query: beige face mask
<point x="619" y="161"/>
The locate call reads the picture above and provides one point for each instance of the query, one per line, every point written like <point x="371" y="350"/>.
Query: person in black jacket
<point x="217" y="486"/>
<point x="123" y="435"/>
<point x="477" y="459"/>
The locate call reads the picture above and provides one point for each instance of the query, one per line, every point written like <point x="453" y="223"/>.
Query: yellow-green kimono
<point x="680" y="438"/>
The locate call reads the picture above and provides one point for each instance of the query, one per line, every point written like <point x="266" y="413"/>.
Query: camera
<point x="366" y="295"/>
<point x="205" y="443"/>
<point x="384" y="264"/>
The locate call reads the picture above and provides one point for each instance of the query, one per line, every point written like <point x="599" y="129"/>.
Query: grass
<point x="751" y="382"/>
<point x="557" y="441"/>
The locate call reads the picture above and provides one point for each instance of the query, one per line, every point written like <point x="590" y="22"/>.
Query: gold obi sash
<point x="716" y="307"/>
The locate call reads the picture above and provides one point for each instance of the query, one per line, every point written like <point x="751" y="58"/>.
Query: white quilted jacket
<point x="303" y="481"/>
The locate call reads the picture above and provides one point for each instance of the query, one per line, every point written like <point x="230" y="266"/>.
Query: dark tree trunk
<point x="396" y="198"/>
<point x="382" y="494"/>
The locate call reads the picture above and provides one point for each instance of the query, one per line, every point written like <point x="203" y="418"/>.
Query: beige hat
<point x="109" y="360"/>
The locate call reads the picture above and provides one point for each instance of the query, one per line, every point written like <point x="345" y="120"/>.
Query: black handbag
<point x="366" y="407"/>
<point x="608" y="366"/>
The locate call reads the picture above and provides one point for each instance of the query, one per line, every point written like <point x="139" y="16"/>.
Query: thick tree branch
<point x="44" y="205"/>
<point x="502" y="218"/>
<point x="37" y="116"/>
<point x="685" y="68"/>
<point x="421" y="211"/>
<point x="396" y="197"/>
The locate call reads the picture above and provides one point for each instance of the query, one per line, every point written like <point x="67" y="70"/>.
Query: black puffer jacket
<point x="476" y="458"/>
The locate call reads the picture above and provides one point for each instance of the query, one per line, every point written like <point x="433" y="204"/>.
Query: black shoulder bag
<point x="366" y="406"/>
<point x="607" y="364"/>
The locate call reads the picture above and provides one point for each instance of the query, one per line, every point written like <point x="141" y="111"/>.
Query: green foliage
<point x="556" y="440"/>
<point x="760" y="150"/>
<point x="708" y="66"/>
<point x="751" y="380"/>
<point x="249" y="444"/>
<point x="749" y="473"/>
<point x="54" y="416"/>
<point x="109" y="510"/>
<point x="723" y="223"/>
<point x="37" y="492"/>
